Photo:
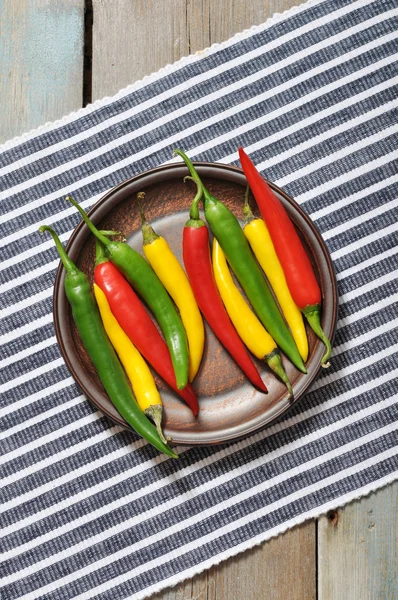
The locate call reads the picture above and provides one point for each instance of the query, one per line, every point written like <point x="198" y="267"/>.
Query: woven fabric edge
<point x="48" y="126"/>
<point x="250" y="544"/>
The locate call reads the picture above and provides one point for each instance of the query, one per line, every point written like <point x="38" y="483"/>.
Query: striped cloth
<point x="86" y="509"/>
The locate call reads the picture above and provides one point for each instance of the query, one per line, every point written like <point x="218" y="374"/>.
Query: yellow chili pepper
<point x="249" y="328"/>
<point x="174" y="279"/>
<point x="137" y="370"/>
<point x="257" y="235"/>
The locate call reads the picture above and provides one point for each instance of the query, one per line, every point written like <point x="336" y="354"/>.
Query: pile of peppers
<point x="121" y="338"/>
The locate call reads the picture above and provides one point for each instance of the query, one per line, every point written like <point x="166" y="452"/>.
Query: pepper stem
<point x="194" y="216"/>
<point x="109" y="233"/>
<point x="194" y="174"/>
<point x="247" y="211"/>
<point x="312" y="314"/>
<point x="274" y="362"/>
<point x="149" y="235"/>
<point x="155" y="412"/>
<point x="102" y="238"/>
<point x="194" y="210"/>
<point x="66" y="261"/>
<point x="190" y="166"/>
<point x="100" y="256"/>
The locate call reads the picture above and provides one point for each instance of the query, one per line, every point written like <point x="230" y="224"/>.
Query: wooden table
<point x="58" y="55"/>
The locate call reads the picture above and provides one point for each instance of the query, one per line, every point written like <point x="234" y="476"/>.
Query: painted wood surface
<point x="41" y="60"/>
<point x="134" y="38"/>
<point x="358" y="549"/>
<point x="41" y="79"/>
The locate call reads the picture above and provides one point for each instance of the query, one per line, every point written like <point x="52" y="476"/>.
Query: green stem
<point x="155" y="412"/>
<point x="194" y="173"/>
<point x="190" y="166"/>
<point x="102" y="238"/>
<point x="247" y="211"/>
<point x="273" y="360"/>
<point x="149" y="235"/>
<point x="109" y="233"/>
<point x="194" y="210"/>
<point x="66" y="261"/>
<point x="100" y="256"/>
<point x="312" y="314"/>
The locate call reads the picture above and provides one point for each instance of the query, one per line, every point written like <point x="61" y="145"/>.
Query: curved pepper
<point x="172" y="275"/>
<point x="137" y="324"/>
<point x="196" y="254"/>
<point x="258" y="236"/>
<point x="147" y="284"/>
<point x="300" y="276"/>
<point x="137" y="370"/>
<point x="229" y="234"/>
<point x="249" y="328"/>
<point x="89" y="325"/>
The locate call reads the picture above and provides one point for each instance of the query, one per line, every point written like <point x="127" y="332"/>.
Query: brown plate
<point x="229" y="405"/>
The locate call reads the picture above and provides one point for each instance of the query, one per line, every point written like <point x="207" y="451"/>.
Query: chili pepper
<point x="300" y="276"/>
<point x="196" y="254"/>
<point x="229" y="234"/>
<point x="137" y="324"/>
<point x="174" y="279"/>
<point x="147" y="284"/>
<point x="89" y="325"/>
<point x="249" y="328"/>
<point x="141" y="379"/>
<point x="258" y="236"/>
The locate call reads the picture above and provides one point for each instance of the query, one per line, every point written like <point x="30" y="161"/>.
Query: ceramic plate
<point x="229" y="405"/>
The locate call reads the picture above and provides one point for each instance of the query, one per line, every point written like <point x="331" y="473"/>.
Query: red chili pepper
<point x="196" y="254"/>
<point x="300" y="276"/>
<point x="137" y="324"/>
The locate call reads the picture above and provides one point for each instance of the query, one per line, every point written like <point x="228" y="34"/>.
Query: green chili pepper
<point x="227" y="230"/>
<point x="89" y="324"/>
<point x="147" y="284"/>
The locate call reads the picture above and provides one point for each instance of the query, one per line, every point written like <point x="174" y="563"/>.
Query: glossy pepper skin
<point x="196" y="254"/>
<point x="147" y="284"/>
<point x="140" y="376"/>
<point x="231" y="238"/>
<point x="249" y="328"/>
<point x="172" y="275"/>
<point x="137" y="324"/>
<point x="258" y="236"/>
<point x="88" y="322"/>
<point x="300" y="276"/>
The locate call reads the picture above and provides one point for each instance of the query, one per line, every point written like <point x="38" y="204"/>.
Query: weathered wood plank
<point x="358" y="551"/>
<point x="41" y="62"/>
<point x="134" y="38"/>
<point x="198" y="25"/>
<point x="230" y="17"/>
<point x="284" y="567"/>
<point x="131" y="39"/>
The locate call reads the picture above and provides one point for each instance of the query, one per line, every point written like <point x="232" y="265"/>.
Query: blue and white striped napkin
<point x="86" y="509"/>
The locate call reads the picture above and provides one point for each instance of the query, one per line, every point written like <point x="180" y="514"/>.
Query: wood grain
<point x="134" y="38"/>
<point x="41" y="62"/>
<point x="230" y="17"/>
<point x="357" y="549"/>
